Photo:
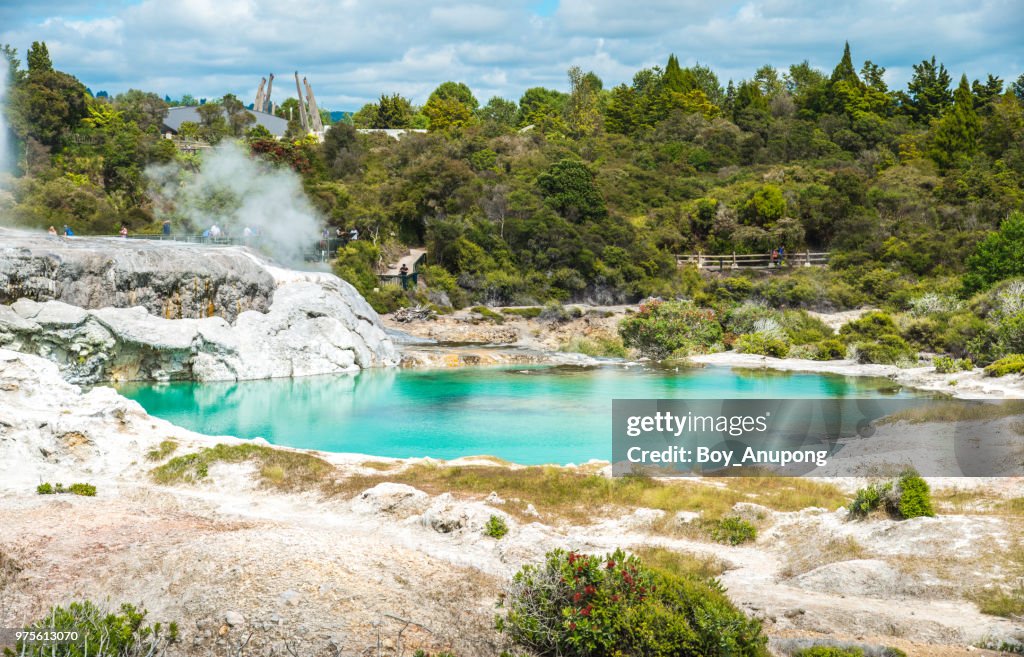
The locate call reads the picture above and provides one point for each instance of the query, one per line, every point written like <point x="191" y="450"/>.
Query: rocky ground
<point x="112" y="309"/>
<point x="391" y="569"/>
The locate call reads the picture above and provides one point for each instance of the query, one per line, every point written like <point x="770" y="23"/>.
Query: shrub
<point x="660" y="328"/>
<point x="121" y="634"/>
<point x="908" y="496"/>
<point x="529" y="312"/>
<point x="577" y="605"/>
<point x="496" y="527"/>
<point x="1000" y="255"/>
<point x="763" y="344"/>
<point x="601" y="346"/>
<point x="1012" y="364"/>
<point x="946" y="365"/>
<point x="914" y="496"/>
<point x="803" y="328"/>
<point x="830" y="349"/>
<point x="889" y="349"/>
<point x="731" y="530"/>
<point x="162" y="451"/>
<point x="868" y="499"/>
<point x="829" y="651"/>
<point x="85" y="490"/>
<point x="488" y="314"/>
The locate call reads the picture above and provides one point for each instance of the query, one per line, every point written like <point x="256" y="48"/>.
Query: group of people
<point x="778" y="256"/>
<point x="66" y="231"/>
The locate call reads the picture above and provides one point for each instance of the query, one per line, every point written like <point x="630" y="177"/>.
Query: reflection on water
<point x="523" y="414"/>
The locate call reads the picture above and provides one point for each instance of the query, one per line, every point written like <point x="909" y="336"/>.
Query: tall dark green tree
<point x="929" y="90"/>
<point x="38" y="58"/>
<point x="956" y="134"/>
<point x="985" y="93"/>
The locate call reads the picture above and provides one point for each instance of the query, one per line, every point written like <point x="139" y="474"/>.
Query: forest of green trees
<point x="587" y="195"/>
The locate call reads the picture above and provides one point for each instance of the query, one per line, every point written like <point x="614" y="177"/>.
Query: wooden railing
<point x="753" y="260"/>
<point x="413" y="277"/>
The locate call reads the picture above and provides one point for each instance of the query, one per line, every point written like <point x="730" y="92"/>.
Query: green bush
<point x="908" y="496"/>
<point x="914" y="496"/>
<point x="761" y="343"/>
<point x="488" y="314"/>
<point x="830" y="349"/>
<point x="661" y="328"/>
<point x="868" y="499"/>
<point x="888" y="349"/>
<point x="1000" y="255"/>
<point x="802" y="328"/>
<point x="496" y="527"/>
<point x="576" y="605"/>
<point x="1012" y="364"/>
<point x="731" y="530"/>
<point x="946" y="365"/>
<point x="601" y="346"/>
<point x="829" y="651"/>
<point x="530" y="312"/>
<point x="85" y="490"/>
<point x="116" y="634"/>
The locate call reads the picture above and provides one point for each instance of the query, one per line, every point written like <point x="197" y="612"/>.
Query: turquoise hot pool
<point x="525" y="415"/>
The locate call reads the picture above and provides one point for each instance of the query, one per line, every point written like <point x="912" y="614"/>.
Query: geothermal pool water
<point x="526" y="415"/>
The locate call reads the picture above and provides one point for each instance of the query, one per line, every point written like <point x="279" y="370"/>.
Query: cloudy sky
<point x="353" y="50"/>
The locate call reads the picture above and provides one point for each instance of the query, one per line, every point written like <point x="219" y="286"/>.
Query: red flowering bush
<point x="662" y="328"/>
<point x="576" y="605"/>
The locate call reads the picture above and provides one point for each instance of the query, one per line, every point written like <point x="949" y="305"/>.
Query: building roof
<point x="178" y="115"/>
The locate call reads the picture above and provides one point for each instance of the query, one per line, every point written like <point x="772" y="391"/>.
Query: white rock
<point x="391" y="498"/>
<point x="234" y="619"/>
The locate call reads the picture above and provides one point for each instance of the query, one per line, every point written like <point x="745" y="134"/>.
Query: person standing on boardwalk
<point x="124" y="231"/>
<point x="775" y="257"/>
<point x="404" y="273"/>
<point x="167" y="228"/>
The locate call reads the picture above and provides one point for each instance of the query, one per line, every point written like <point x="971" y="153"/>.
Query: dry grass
<point x="961" y="501"/>
<point x="579" y="498"/>
<point x="381" y="466"/>
<point x="957" y="411"/>
<point x="282" y="469"/>
<point x="162" y="451"/>
<point x="683" y="564"/>
<point x="834" y="550"/>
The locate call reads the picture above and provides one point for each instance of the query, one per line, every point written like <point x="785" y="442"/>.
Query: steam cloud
<point x="233" y="191"/>
<point x="5" y="146"/>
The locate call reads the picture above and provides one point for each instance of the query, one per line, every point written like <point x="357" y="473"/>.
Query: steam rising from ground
<point x="234" y="191"/>
<point x="5" y="154"/>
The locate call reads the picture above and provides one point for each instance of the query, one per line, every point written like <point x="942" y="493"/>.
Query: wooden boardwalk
<point x="762" y="261"/>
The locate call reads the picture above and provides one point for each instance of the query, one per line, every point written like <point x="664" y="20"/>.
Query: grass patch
<point x="597" y="347"/>
<point x="84" y="490"/>
<point x="681" y="564"/>
<point x="162" y="451"/>
<point x="488" y="314"/>
<point x="1006" y="603"/>
<point x="1012" y="364"/>
<point x="835" y="550"/>
<point x="580" y="498"/>
<point x="378" y="465"/>
<point x="526" y="313"/>
<point x="278" y="468"/>
<point x="957" y="411"/>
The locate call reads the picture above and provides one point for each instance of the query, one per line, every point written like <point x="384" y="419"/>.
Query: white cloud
<point x="355" y="50"/>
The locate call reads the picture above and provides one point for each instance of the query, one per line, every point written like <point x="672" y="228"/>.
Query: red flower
<point x="589" y="590"/>
<point x="577" y="597"/>
<point x="586" y="610"/>
<point x="610" y="564"/>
